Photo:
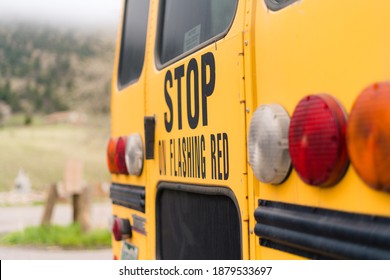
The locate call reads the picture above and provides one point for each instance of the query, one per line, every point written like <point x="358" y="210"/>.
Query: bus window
<point x="187" y="24"/>
<point x="133" y="41"/>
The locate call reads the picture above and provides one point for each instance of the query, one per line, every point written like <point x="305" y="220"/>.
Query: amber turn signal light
<point x="368" y="136"/>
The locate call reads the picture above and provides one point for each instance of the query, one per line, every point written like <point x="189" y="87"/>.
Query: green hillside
<point x="43" y="69"/>
<point x="46" y="70"/>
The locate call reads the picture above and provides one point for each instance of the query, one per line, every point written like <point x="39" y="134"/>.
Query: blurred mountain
<point x="46" y="69"/>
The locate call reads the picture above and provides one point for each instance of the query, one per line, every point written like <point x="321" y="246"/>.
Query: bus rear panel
<point x="251" y="130"/>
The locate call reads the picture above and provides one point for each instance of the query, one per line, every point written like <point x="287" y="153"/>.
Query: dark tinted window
<point x="197" y="226"/>
<point x="185" y="24"/>
<point x="133" y="41"/>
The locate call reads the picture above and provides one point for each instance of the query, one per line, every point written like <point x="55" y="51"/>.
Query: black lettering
<point x="168" y="100"/>
<point x="192" y="70"/>
<point x="174" y="157"/>
<point x="219" y="155"/>
<point x="225" y="144"/>
<point x="189" y="157"/>
<point x="196" y="157"/>
<point x="203" y="147"/>
<point x="213" y="159"/>
<point x="179" y="73"/>
<point x="179" y="169"/>
<point x="183" y="146"/>
<point x="208" y="61"/>
<point x="207" y="86"/>
<point x="219" y="144"/>
<point x="171" y="154"/>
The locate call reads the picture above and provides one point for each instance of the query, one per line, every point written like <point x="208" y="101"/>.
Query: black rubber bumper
<point x="318" y="233"/>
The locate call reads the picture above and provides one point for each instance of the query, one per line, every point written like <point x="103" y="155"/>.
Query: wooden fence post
<point x="51" y="200"/>
<point x="81" y="196"/>
<point x="82" y="208"/>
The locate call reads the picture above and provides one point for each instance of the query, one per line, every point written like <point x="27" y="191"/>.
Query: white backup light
<point x="268" y="144"/>
<point x="134" y="154"/>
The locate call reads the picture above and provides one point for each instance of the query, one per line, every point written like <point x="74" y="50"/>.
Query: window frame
<point x="160" y="25"/>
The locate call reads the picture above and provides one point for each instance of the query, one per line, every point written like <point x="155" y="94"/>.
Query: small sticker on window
<point x="192" y="38"/>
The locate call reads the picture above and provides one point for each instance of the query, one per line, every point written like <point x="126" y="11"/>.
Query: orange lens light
<point x="368" y="136"/>
<point x="111" y="151"/>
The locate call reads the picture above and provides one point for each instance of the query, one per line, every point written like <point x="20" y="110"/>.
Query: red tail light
<point x="121" y="229"/>
<point x="120" y="156"/>
<point x="111" y="151"/>
<point x="317" y="140"/>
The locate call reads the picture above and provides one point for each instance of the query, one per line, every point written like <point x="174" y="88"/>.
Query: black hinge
<point x="150" y="125"/>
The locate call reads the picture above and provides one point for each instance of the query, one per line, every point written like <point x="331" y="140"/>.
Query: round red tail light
<point x="121" y="229"/>
<point x="317" y="140"/>
<point x="111" y="151"/>
<point x="368" y="136"/>
<point x="120" y="156"/>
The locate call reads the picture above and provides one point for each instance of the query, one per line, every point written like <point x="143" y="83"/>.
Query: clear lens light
<point x="268" y="144"/>
<point x="134" y="154"/>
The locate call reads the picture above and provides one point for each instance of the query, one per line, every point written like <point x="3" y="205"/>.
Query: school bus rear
<point x="245" y="130"/>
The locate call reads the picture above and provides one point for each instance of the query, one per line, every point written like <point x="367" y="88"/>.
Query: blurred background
<point x="56" y="61"/>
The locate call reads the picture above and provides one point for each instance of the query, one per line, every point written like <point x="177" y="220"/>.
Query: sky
<point x="68" y="13"/>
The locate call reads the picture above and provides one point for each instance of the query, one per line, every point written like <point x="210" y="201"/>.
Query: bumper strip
<point x="128" y="196"/>
<point x="318" y="233"/>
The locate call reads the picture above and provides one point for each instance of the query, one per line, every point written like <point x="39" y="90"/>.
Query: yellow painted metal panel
<point x="332" y="47"/>
<point x="311" y="47"/>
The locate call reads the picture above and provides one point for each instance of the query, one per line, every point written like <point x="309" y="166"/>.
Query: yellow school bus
<point x="245" y="129"/>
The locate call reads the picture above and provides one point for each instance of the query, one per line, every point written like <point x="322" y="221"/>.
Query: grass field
<point x="43" y="150"/>
<point x="70" y="236"/>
